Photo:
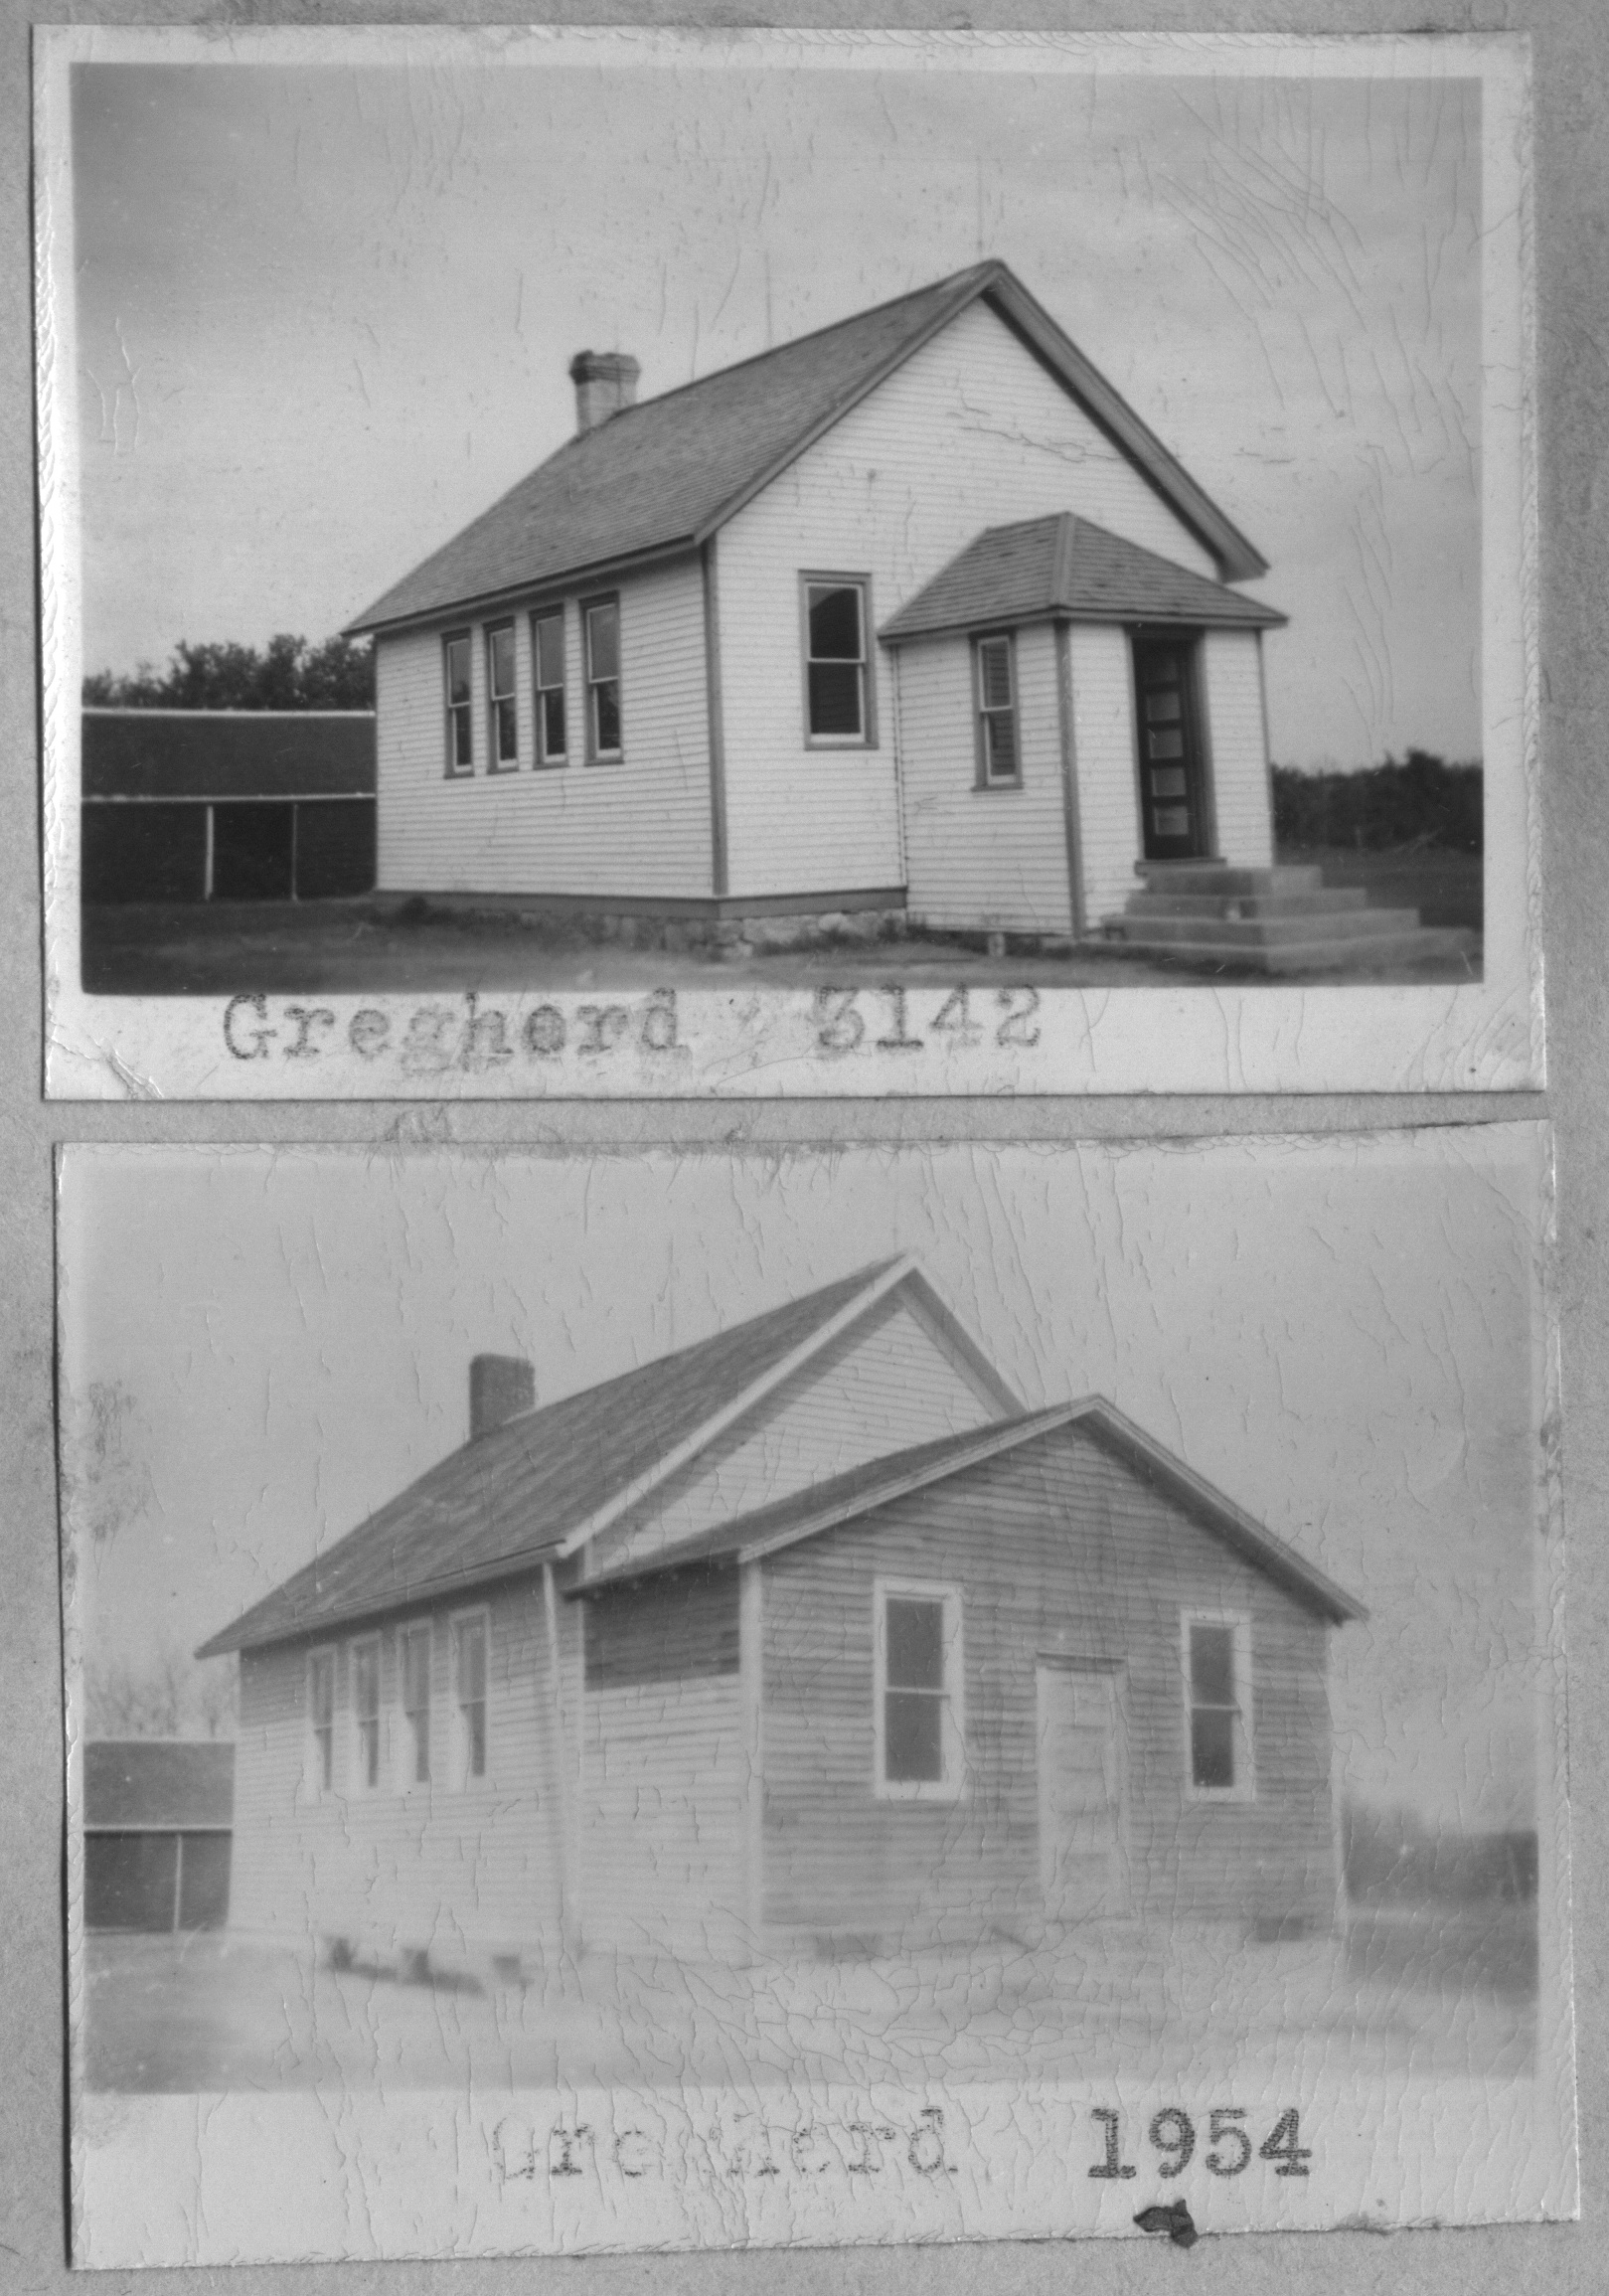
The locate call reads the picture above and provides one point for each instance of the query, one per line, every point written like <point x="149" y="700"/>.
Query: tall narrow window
<point x="1218" y="1675"/>
<point x="835" y="662"/>
<point x="365" y="1714"/>
<point x="413" y="1651"/>
<point x="460" y="725"/>
<point x="548" y="666"/>
<point x="995" y="675"/>
<point x="918" y="1692"/>
<point x="469" y="1695"/>
<point x="321" y="1718"/>
<point x="604" y="679"/>
<point x="502" y="725"/>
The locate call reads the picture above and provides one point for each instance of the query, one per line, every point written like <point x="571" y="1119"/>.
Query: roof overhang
<point x="593" y="574"/>
<point x="1062" y="617"/>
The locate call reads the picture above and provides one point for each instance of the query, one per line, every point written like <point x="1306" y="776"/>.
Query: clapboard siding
<point x="883" y="1387"/>
<point x="422" y="1868"/>
<point x="981" y="858"/>
<point x="638" y="828"/>
<point x="970" y="432"/>
<point x="663" y="1797"/>
<point x="1058" y="1548"/>
<point x="677" y="1629"/>
<point x="1103" y="750"/>
<point x="1233" y="681"/>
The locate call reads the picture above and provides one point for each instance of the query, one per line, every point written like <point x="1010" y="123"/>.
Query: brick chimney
<point x="500" y="1388"/>
<point x="605" y="383"/>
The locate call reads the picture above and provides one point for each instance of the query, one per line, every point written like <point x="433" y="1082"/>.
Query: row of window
<point x="839" y="699"/>
<point x="921" y="1718"/>
<point x="600" y="664"/>
<point x="397" y="1744"/>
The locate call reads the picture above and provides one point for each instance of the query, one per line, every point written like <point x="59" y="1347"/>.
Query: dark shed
<point x="158" y="1816"/>
<point x="227" y="804"/>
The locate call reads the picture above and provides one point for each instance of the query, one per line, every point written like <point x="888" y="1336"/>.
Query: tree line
<point x="1419" y="799"/>
<point x="287" y="673"/>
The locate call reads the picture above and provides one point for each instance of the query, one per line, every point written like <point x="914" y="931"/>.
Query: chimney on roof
<point x="605" y="383"/>
<point x="500" y="1388"/>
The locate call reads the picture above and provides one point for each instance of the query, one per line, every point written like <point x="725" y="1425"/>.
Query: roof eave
<point x="585" y="574"/>
<point x="1105" y="617"/>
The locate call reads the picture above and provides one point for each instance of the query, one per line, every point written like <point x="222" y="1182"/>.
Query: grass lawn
<point x="381" y="946"/>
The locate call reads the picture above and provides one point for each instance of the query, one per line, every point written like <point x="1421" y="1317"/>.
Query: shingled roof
<point x="1065" y="569"/>
<point x="845" y="1498"/>
<point x="531" y="1489"/>
<point x="158" y="1785"/>
<point x="665" y="475"/>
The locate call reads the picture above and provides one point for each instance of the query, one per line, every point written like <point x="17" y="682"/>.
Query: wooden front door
<point x="1084" y="1862"/>
<point x="1172" y="779"/>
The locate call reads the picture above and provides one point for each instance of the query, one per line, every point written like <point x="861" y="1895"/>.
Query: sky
<point x="258" y="1349"/>
<point x="325" y="316"/>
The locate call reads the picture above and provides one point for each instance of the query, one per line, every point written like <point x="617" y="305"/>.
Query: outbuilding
<point x="806" y="1638"/>
<point x="158" y="1816"/>
<point x="192" y="805"/>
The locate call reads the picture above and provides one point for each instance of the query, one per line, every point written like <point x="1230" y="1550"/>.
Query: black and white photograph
<point x="652" y="564"/>
<point x="642" y="1700"/>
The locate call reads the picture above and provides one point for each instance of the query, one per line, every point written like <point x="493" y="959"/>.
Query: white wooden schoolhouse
<point x="806" y="1638"/>
<point x="912" y="614"/>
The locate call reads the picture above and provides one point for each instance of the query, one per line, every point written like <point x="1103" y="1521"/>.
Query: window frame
<point x="815" y="578"/>
<point x="587" y="607"/>
<point x="1243" y="1737"/>
<point x="404" y="1743"/>
<point x="452" y="770"/>
<point x="982" y="778"/>
<point x="540" y="758"/>
<point x="319" y="1787"/>
<point x="496" y="762"/>
<point x="363" y="1787"/>
<point x="952" y="1785"/>
<point x="462" y="1779"/>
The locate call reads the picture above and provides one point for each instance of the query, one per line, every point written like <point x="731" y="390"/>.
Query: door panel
<point x="1173" y="794"/>
<point x="1083" y="1864"/>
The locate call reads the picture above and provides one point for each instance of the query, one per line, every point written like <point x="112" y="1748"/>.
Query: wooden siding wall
<point x="640" y="827"/>
<point x="467" y="1870"/>
<point x="970" y="432"/>
<point x="673" y="1629"/>
<point x="1242" y="805"/>
<point x="1058" y="1548"/>
<point x="1108" y="787"/>
<point x="662" y="1818"/>
<point x="981" y="858"/>
<point x="884" y="1386"/>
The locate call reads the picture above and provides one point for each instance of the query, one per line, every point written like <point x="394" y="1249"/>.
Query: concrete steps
<point x="1277" y="920"/>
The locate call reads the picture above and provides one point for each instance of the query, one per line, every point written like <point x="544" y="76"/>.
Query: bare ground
<point x="205" y="2013"/>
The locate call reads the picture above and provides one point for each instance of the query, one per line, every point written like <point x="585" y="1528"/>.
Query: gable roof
<point x="229" y="754"/>
<point x="536" y="1488"/>
<point x="158" y="1785"/>
<point x="1065" y="569"/>
<point x="847" y="1498"/>
<point x="664" y="475"/>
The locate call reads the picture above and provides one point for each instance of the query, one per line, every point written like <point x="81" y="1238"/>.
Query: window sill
<point x="1220" y="1794"/>
<point x="885" y="1791"/>
<point x="997" y="788"/>
<point x="845" y="741"/>
<point x="608" y="757"/>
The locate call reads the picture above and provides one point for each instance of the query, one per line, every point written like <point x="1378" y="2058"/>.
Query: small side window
<point x="837" y="690"/>
<point x="414" y="1668"/>
<point x="366" y="1717"/>
<point x="321" y="1723"/>
<point x="1217" y="1693"/>
<point x="502" y="728"/>
<point x="921" y="1733"/>
<point x="1000" y="764"/>
<point x="460" y="709"/>
<point x="548" y="671"/>
<point x="603" y="680"/>
<point x="469" y="1697"/>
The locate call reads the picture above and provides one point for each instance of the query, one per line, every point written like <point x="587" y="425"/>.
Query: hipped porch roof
<point x="1061" y="568"/>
